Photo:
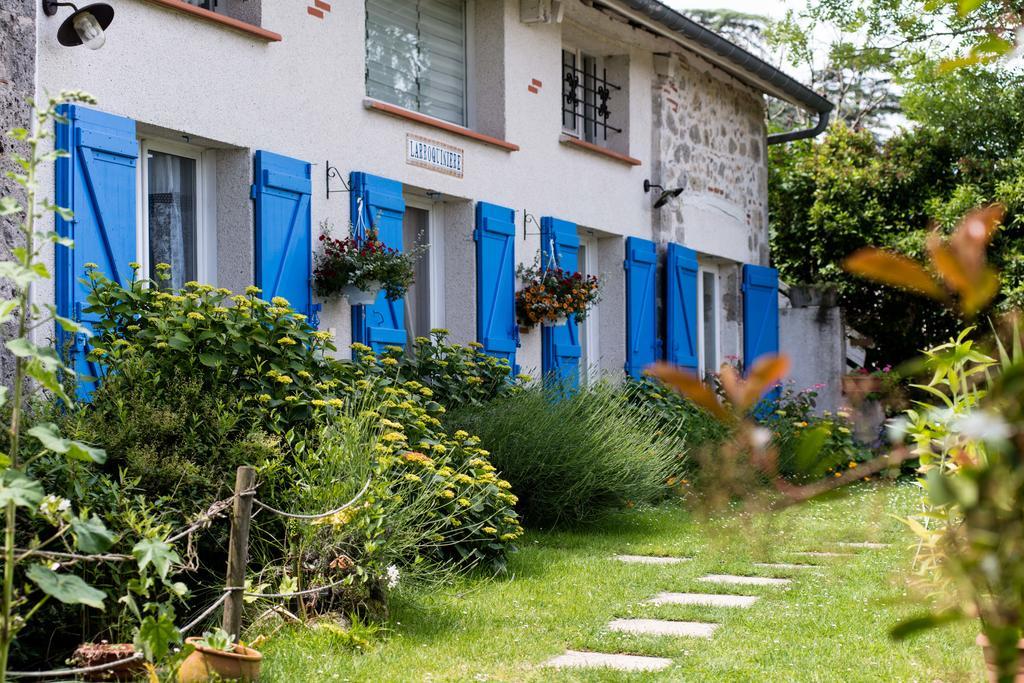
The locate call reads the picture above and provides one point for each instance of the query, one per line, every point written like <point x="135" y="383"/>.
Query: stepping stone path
<point x="822" y="553"/>
<point x="785" y="565"/>
<point x="573" y="659"/>
<point x="864" y="544"/>
<point x="664" y="627"/>
<point x="744" y="580"/>
<point x="650" y="559"/>
<point x="703" y="599"/>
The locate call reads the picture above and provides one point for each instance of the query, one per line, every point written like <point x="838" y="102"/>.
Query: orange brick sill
<point x="213" y="17"/>
<point x="409" y="115"/>
<point x="597" y="149"/>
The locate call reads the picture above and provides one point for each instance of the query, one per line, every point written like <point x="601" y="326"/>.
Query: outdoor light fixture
<point x="665" y="196"/>
<point x="85" y="26"/>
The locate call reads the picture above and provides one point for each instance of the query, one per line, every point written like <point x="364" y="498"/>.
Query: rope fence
<point x="240" y="505"/>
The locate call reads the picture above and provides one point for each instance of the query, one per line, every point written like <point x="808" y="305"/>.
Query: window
<point x="416" y="56"/>
<point x="176" y="223"/>
<point x="248" y="11"/>
<point x="708" y="322"/>
<point x="424" y="302"/>
<point x="586" y="97"/>
<point x="588" y="327"/>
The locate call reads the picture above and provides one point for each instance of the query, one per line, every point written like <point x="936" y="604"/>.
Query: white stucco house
<point x="228" y="132"/>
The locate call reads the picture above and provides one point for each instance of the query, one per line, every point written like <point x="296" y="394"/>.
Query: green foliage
<point x="833" y="196"/>
<point x="677" y="415"/>
<point x="450" y="374"/>
<point x="217" y="639"/>
<point x="574" y="458"/>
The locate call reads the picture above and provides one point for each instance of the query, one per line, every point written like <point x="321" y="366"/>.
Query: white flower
<point x="760" y="437"/>
<point x="392" y="576"/>
<point x="982" y="425"/>
<point x="896" y="429"/>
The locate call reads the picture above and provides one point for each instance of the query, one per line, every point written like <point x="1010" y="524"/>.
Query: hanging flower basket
<point x="550" y="295"/>
<point x="358" y="268"/>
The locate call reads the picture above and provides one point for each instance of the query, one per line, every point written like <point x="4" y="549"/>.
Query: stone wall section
<point x="17" y="83"/>
<point x="709" y="137"/>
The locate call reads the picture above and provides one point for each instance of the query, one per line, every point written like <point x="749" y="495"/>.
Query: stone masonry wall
<point x="17" y="82"/>
<point x="710" y="138"/>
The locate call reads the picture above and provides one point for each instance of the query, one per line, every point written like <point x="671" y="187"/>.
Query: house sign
<point x="436" y="156"/>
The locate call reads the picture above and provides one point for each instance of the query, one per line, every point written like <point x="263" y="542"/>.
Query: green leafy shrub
<point x="572" y="458"/>
<point x="453" y="374"/>
<point x="677" y="415"/>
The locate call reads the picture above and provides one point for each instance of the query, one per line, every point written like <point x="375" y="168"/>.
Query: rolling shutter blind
<point x="416" y="55"/>
<point x="97" y="182"/>
<point x="641" y="303"/>
<point x="377" y="203"/>
<point x="284" y="231"/>
<point x="681" y="307"/>
<point x="560" y="345"/>
<point x="496" y="325"/>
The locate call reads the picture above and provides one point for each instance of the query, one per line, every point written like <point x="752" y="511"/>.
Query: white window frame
<point x="701" y="332"/>
<point x="590" y="366"/>
<point x="578" y="131"/>
<point x="469" y="102"/>
<point x="435" y="254"/>
<point x="206" y="205"/>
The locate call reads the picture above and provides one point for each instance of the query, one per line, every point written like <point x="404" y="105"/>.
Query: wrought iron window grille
<point x="585" y="99"/>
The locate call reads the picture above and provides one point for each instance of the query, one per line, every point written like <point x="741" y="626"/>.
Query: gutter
<point x="730" y="57"/>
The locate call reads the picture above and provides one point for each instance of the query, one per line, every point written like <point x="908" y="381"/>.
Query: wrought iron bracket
<point x="333" y="172"/>
<point x="527" y="219"/>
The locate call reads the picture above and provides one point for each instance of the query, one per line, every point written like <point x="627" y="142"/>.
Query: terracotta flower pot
<point x="242" y="664"/>
<point x="990" y="657"/>
<point x="96" y="654"/>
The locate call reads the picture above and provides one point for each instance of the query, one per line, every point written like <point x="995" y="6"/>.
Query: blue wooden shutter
<point x="760" y="313"/>
<point x="496" y="326"/>
<point x="560" y="346"/>
<point x="681" y="307"/>
<point x="284" y="230"/>
<point x="377" y="203"/>
<point x="97" y="182"/>
<point x="641" y="304"/>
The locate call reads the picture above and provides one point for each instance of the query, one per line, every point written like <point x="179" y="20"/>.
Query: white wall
<point x="304" y="97"/>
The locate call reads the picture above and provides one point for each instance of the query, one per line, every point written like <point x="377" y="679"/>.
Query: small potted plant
<point x="104" y="654"/>
<point x="358" y="268"/>
<point x="217" y="657"/>
<point x="550" y="295"/>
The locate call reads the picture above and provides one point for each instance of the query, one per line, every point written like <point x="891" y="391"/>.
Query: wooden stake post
<point x="238" y="548"/>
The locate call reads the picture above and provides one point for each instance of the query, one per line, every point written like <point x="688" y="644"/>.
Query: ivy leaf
<point x="50" y="437"/>
<point x="68" y="588"/>
<point x="155" y="636"/>
<point x="9" y="205"/>
<point x="150" y="551"/>
<point x="21" y="490"/>
<point x="91" y="535"/>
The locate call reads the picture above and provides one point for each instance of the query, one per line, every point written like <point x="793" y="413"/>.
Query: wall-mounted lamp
<point x="665" y="196"/>
<point x="85" y="26"/>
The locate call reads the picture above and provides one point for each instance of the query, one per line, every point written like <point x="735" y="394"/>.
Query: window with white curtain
<point x="416" y="56"/>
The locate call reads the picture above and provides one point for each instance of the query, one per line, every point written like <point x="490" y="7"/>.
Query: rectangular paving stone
<point x="822" y="553"/>
<point x="785" y="565"/>
<point x="744" y="580"/>
<point x="864" y="544"/>
<point x="573" y="659"/>
<point x="651" y="559"/>
<point x="664" y="627"/>
<point x="703" y="599"/>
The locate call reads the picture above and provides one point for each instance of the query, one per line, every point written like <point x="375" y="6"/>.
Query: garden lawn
<point x="564" y="587"/>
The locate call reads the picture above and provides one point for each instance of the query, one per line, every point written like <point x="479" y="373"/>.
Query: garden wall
<point x="17" y="73"/>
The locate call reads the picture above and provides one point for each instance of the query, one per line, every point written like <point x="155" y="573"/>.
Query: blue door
<point x="377" y="203"/>
<point x="681" y="307"/>
<point x="97" y="182"/>
<point x="284" y="230"/>
<point x="496" y="326"/>
<point x="560" y="345"/>
<point x="641" y="305"/>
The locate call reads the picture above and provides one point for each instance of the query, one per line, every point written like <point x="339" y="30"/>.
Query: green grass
<point x="828" y="625"/>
